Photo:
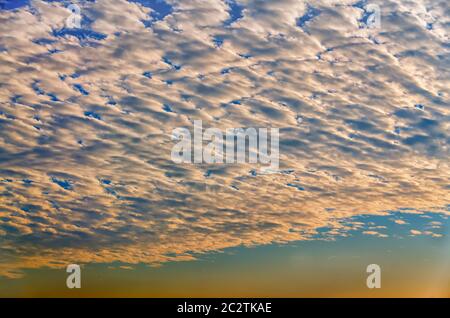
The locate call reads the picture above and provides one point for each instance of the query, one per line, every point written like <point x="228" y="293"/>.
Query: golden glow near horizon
<point x="87" y="115"/>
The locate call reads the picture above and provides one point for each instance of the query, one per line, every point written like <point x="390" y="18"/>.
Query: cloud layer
<point x="86" y="118"/>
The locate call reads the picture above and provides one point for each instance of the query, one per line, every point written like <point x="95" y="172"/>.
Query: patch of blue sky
<point x="80" y="88"/>
<point x="53" y="97"/>
<point x="111" y="101"/>
<point x="84" y="34"/>
<point x="65" y="184"/>
<point x="298" y="187"/>
<point x="92" y="115"/>
<point x="167" y="108"/>
<point x="160" y="10"/>
<point x="245" y="55"/>
<point x="235" y="12"/>
<point x="225" y="71"/>
<point x="8" y="116"/>
<point x="207" y="173"/>
<point x="80" y="33"/>
<point x="218" y="41"/>
<point x="416" y="139"/>
<point x="105" y="181"/>
<point x="419" y="106"/>
<point x="86" y="21"/>
<point x="397" y="224"/>
<point x="37" y="89"/>
<point x="27" y="181"/>
<point x="15" y="99"/>
<point x="186" y="97"/>
<point x="366" y="15"/>
<point x="309" y="15"/>
<point x="29" y="208"/>
<point x="53" y="51"/>
<point x="360" y="4"/>
<point x="110" y="191"/>
<point x="43" y="41"/>
<point x="365" y="18"/>
<point x="147" y="74"/>
<point x="169" y="62"/>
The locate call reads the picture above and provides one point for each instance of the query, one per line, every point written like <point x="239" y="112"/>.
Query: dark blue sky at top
<point x="12" y="4"/>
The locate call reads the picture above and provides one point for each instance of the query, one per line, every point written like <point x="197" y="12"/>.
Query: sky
<point x="86" y="121"/>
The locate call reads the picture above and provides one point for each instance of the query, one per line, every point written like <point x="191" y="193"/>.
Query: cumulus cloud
<point x="85" y="168"/>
